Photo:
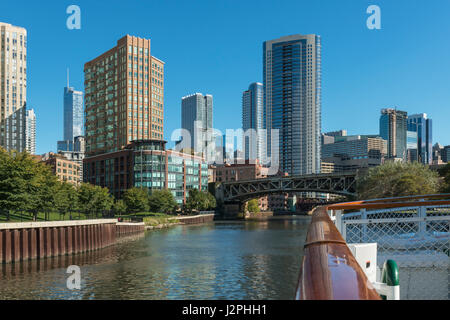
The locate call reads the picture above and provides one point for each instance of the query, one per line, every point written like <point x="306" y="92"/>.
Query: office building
<point x="253" y="122"/>
<point x="13" y="87"/>
<point x="124" y="96"/>
<point x="393" y="127"/>
<point x="30" y="132"/>
<point x="292" y="98"/>
<point x="423" y="126"/>
<point x="73" y="113"/>
<point x="411" y="145"/>
<point x="197" y="119"/>
<point x="445" y="154"/>
<point x="147" y="163"/>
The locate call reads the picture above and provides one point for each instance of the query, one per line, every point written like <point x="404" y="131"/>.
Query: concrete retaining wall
<point x="36" y="240"/>
<point x="202" y="218"/>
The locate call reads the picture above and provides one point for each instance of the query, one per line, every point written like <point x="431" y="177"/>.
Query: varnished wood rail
<point x="329" y="270"/>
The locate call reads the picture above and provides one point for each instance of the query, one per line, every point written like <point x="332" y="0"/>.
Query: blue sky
<point x="215" y="47"/>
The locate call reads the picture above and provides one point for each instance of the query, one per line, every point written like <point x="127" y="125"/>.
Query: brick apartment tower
<point x="124" y="90"/>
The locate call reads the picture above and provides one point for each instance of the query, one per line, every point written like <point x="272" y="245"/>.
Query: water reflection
<point x="222" y="260"/>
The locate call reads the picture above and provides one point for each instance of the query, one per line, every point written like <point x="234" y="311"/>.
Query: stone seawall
<point x="35" y="240"/>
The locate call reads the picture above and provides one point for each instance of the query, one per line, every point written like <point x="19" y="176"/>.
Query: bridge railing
<point x="413" y="231"/>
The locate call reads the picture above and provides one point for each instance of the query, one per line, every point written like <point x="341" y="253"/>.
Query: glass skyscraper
<point x="73" y="113"/>
<point x="253" y="118"/>
<point x="393" y="127"/>
<point x="292" y="98"/>
<point x="420" y="124"/>
<point x="197" y="118"/>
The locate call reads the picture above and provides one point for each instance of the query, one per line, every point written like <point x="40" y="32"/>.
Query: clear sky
<point x="215" y="47"/>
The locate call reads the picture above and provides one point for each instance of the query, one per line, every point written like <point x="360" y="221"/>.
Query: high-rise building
<point x="73" y="118"/>
<point x="411" y="145"/>
<point x="197" y="118"/>
<point x="253" y="122"/>
<point x="73" y="113"/>
<point x="13" y="87"/>
<point x="423" y="126"/>
<point x="393" y="127"/>
<point x="30" y="132"/>
<point x="124" y="90"/>
<point x="292" y="98"/>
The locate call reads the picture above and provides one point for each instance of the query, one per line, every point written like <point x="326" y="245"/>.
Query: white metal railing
<point x="417" y="238"/>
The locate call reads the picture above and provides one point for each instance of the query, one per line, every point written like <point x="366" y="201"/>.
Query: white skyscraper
<point x="292" y="97"/>
<point x="13" y="86"/>
<point x="30" y="132"/>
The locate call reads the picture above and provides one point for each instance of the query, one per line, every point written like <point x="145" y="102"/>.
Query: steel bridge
<point x="333" y="183"/>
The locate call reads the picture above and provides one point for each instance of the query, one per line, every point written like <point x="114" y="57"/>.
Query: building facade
<point x="30" y="132"/>
<point x="147" y="164"/>
<point x="13" y="87"/>
<point x="423" y="127"/>
<point x="393" y="127"/>
<point x="65" y="169"/>
<point x="197" y="119"/>
<point x="292" y="98"/>
<point x="253" y="123"/>
<point x="124" y="96"/>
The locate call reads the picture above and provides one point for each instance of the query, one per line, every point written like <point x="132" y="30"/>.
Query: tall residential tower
<point x="292" y="98"/>
<point x="30" y="132"/>
<point x="13" y="87"/>
<point x="197" y="118"/>
<point x="124" y="90"/>
<point x="393" y="129"/>
<point x="73" y="118"/>
<point x="423" y="127"/>
<point x="253" y="118"/>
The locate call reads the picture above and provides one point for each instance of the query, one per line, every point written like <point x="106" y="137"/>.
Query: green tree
<point x="94" y="199"/>
<point x="395" y="179"/>
<point x="120" y="207"/>
<point x="252" y="206"/>
<point x="445" y="174"/>
<point x="25" y="184"/>
<point x="198" y="200"/>
<point x="162" y="201"/>
<point x="136" y="199"/>
<point x="66" y="199"/>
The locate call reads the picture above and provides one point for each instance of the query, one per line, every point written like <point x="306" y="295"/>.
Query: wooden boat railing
<point x="329" y="270"/>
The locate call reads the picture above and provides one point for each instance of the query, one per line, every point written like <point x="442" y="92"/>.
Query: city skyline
<point x="371" y="83"/>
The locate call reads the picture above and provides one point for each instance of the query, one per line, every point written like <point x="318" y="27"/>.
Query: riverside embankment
<point x="35" y="240"/>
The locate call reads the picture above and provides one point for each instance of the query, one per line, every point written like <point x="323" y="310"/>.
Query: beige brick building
<point x="66" y="170"/>
<point x="124" y="96"/>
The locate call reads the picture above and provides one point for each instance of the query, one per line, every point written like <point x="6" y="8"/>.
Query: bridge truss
<point x="334" y="183"/>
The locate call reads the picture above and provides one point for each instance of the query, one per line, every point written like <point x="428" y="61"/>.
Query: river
<point x="218" y="260"/>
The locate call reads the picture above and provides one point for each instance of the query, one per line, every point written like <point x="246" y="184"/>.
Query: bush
<point x="252" y="206"/>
